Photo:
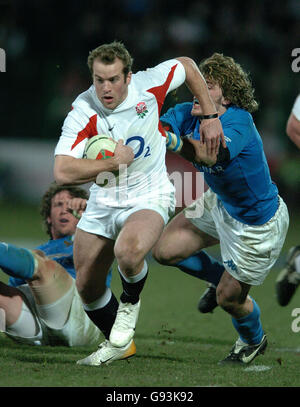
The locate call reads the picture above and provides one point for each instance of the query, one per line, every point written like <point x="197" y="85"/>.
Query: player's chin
<point x="67" y="229"/>
<point x="109" y="103"/>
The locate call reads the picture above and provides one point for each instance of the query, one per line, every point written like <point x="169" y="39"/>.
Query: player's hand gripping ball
<point x="101" y="147"/>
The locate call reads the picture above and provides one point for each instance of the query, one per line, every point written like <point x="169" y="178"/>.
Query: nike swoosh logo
<point x="107" y="360"/>
<point x="247" y="359"/>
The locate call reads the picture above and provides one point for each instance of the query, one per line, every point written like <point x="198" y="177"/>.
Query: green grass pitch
<point x="176" y="345"/>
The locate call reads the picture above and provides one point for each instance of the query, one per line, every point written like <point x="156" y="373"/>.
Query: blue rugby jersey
<point x="243" y="184"/>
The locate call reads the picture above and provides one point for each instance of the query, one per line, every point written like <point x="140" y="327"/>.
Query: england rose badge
<point x="141" y="109"/>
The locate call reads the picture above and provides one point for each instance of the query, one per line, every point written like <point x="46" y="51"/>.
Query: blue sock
<point x="249" y="327"/>
<point x="202" y="266"/>
<point x="16" y="262"/>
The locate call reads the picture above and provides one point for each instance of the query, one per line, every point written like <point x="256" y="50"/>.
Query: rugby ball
<point x="99" y="147"/>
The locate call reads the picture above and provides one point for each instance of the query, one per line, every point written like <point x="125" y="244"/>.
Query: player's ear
<point x="49" y="220"/>
<point x="225" y="102"/>
<point x="128" y="78"/>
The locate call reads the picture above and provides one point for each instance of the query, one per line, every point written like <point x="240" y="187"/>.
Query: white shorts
<point x="248" y="251"/>
<point x="78" y="330"/>
<point x="107" y="221"/>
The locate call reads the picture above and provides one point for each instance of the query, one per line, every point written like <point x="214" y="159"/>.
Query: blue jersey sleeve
<point x="180" y="119"/>
<point x="237" y="130"/>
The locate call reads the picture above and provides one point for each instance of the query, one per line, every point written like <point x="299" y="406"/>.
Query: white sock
<point x="100" y="302"/>
<point x="25" y="326"/>
<point x="56" y="314"/>
<point x="137" y="277"/>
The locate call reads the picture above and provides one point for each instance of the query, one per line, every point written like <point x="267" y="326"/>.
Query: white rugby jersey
<point x="135" y="120"/>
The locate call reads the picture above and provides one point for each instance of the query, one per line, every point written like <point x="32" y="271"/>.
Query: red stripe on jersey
<point x="89" y="131"/>
<point x="160" y="94"/>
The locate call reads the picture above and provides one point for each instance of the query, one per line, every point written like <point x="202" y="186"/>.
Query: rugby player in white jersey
<point x="123" y="221"/>
<point x="288" y="279"/>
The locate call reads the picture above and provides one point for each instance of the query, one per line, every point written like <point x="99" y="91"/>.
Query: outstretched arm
<point x="210" y="129"/>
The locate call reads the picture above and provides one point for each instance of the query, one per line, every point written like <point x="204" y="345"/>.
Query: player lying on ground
<point x="41" y="303"/>
<point x="241" y="209"/>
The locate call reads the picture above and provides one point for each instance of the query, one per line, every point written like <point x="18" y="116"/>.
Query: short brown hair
<point x="232" y="79"/>
<point x="107" y="53"/>
<point x="46" y="203"/>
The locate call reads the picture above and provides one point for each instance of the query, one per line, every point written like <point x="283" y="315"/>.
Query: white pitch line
<point x="296" y="350"/>
<point x="257" y="368"/>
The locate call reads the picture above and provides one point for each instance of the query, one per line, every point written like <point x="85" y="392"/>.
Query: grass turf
<point x="176" y="345"/>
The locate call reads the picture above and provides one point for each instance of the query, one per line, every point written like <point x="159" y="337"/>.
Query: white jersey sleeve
<point x="79" y="125"/>
<point x="296" y="108"/>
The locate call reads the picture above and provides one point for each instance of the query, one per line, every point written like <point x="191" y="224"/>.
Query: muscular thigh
<point x="180" y="239"/>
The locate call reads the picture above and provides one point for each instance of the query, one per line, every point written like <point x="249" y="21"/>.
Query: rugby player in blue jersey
<point x="40" y="305"/>
<point x="241" y="210"/>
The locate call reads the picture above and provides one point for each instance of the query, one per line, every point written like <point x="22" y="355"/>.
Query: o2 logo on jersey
<point x="296" y="61"/>
<point x="138" y="146"/>
<point x="296" y="323"/>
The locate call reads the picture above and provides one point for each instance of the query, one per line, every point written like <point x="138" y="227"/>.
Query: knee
<point x="47" y="270"/>
<point x="164" y="252"/>
<point x="161" y="255"/>
<point x="129" y="256"/>
<point x="38" y="253"/>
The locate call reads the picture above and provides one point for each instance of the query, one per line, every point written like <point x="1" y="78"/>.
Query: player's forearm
<point x="76" y="171"/>
<point x="197" y="85"/>
<point x="179" y="146"/>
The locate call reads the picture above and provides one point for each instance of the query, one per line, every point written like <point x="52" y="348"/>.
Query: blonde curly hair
<point x="232" y="79"/>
